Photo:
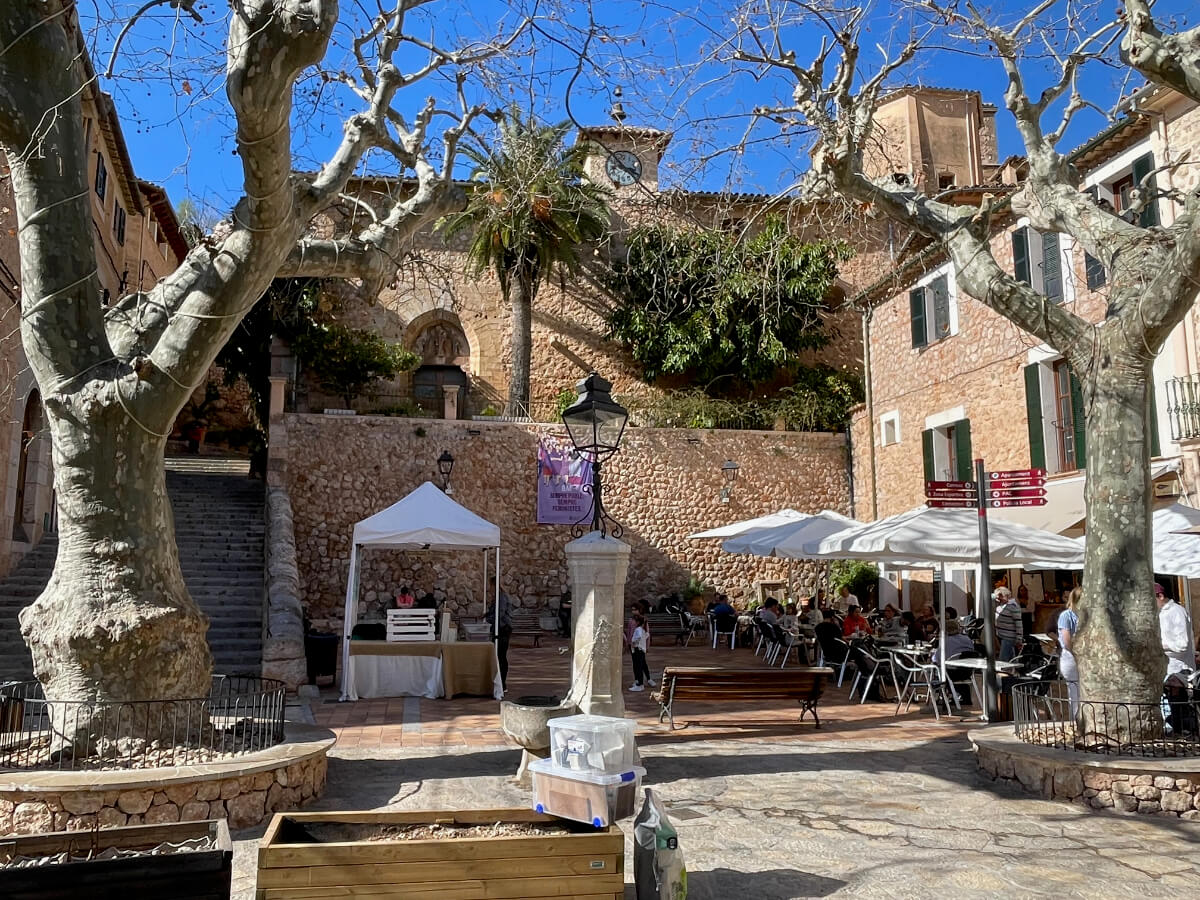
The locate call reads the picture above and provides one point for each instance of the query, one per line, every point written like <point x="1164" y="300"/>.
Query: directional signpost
<point x="996" y="490"/>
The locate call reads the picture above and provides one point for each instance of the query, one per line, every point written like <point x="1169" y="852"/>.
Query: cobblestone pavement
<point x="869" y="806"/>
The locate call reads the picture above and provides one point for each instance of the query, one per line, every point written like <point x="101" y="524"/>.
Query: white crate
<point x="411" y="624"/>
<point x="595" y="744"/>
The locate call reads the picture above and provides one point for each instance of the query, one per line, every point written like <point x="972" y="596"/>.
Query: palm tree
<point x="529" y="214"/>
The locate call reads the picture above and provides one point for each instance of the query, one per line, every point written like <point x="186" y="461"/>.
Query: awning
<point x="1065" y="511"/>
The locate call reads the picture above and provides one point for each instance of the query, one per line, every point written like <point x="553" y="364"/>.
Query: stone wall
<point x="244" y="800"/>
<point x="1150" y="787"/>
<point x="663" y="485"/>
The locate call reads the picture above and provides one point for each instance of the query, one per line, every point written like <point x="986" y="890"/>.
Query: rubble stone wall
<point x="663" y="485"/>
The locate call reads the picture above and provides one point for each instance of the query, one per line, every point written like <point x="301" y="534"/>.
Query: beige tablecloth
<point x="466" y="668"/>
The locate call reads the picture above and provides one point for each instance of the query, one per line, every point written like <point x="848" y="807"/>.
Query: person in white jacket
<point x="1175" y="626"/>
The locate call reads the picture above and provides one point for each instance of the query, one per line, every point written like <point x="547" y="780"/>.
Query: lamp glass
<point x="595" y="421"/>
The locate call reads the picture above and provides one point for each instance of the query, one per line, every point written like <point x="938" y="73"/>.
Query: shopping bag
<point x="658" y="869"/>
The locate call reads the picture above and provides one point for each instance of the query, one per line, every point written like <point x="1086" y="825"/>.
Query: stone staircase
<point x="220" y="531"/>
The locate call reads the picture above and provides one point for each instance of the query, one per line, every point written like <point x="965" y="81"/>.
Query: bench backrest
<point x="758" y="682"/>
<point x="411" y="624"/>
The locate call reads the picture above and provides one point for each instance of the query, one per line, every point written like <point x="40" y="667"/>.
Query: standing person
<point x="1068" y="624"/>
<point x="503" y="634"/>
<point x="845" y="600"/>
<point x="637" y="646"/>
<point x="1026" y="610"/>
<point x="1175" y="626"/>
<point x="1008" y="623"/>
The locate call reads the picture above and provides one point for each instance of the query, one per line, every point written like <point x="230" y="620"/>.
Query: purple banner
<point x="561" y="499"/>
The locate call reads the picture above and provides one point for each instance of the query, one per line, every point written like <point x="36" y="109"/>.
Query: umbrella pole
<point x="1187" y="596"/>
<point x="942" y="625"/>
<point x="497" y="597"/>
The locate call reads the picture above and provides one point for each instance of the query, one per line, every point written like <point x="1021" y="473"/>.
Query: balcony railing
<point x="1183" y="407"/>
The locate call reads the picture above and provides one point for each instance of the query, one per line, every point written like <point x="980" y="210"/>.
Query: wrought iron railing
<point x="1044" y="714"/>
<point x="1183" y="407"/>
<point x="241" y="714"/>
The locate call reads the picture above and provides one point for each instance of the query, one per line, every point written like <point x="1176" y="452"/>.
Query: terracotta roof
<point x="657" y="136"/>
<point x="160" y="205"/>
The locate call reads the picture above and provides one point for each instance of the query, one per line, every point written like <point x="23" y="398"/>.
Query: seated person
<point x="723" y="607"/>
<point x="912" y="630"/>
<point x="427" y="602"/>
<point x="891" y="624"/>
<point x="829" y="636"/>
<point x="854" y="622"/>
<point x="405" y="599"/>
<point x="956" y="643"/>
<point x="790" y="621"/>
<point x="770" y="611"/>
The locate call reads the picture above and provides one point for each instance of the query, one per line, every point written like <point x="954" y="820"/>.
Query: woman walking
<point x="1068" y="624"/>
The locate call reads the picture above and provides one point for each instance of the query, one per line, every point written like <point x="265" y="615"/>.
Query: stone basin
<point x="525" y="721"/>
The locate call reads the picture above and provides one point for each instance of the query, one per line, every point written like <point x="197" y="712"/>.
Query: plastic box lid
<point x="547" y="767"/>
<point x="592" y="723"/>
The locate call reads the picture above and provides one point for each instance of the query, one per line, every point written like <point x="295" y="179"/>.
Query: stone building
<point x="138" y="241"/>
<point x="950" y="380"/>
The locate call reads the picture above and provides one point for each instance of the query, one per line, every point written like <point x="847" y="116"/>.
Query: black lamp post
<point x="445" y="464"/>
<point x="596" y="422"/>
<point x="730" y="471"/>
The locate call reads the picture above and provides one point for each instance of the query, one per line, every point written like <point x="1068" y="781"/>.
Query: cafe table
<point x="977" y="667"/>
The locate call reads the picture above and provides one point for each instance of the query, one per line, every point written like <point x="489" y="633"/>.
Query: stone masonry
<point x="663" y="485"/>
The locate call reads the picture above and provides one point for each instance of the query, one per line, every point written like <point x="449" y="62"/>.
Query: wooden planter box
<point x="192" y="875"/>
<point x="588" y="864"/>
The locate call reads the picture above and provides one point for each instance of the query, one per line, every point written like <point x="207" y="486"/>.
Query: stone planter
<point x="525" y="721"/>
<point x="295" y="863"/>
<point x="190" y="875"/>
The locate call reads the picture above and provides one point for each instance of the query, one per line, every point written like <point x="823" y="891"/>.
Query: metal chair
<point x="724" y="624"/>
<point x="788" y="642"/>
<point x="871" y="666"/>
<point x="920" y="677"/>
<point x="766" y="642"/>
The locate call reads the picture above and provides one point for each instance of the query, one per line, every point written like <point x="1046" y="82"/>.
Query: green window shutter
<point x="1096" y="276"/>
<point x="1080" y="417"/>
<point x="1152" y="425"/>
<point x="1033" y="411"/>
<point x="962" y="450"/>
<point x="941" y="307"/>
<point x="1020" y="246"/>
<point x="1052" y="280"/>
<point x="927" y="452"/>
<point x="1143" y="166"/>
<point x="916" y="308"/>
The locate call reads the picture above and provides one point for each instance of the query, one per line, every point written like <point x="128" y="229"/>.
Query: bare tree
<point x="1153" y="271"/>
<point x="116" y="621"/>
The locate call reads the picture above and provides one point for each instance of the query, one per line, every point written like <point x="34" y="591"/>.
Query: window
<point x="889" y="428"/>
<point x="119" y="225"/>
<point x="1097" y="275"/>
<point x="1054" y="410"/>
<point x="101" y="177"/>
<point x="1038" y="262"/>
<point x="946" y="451"/>
<point x="1115" y="189"/>
<point x="945" y="181"/>
<point x="932" y="309"/>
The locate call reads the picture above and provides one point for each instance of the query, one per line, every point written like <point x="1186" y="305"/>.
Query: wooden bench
<point x="805" y="685"/>
<point x="527" y="623"/>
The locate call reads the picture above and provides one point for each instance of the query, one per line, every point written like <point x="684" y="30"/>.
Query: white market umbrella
<point x="1175" y="548"/>
<point x="787" y="540"/>
<point x="783" y="517"/>
<point x="949" y="536"/>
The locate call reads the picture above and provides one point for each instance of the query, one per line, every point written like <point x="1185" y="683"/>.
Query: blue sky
<point x="667" y="57"/>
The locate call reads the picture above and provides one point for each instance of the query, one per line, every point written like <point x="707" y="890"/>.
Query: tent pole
<point x="497" y="597"/>
<point x="483" y="593"/>
<point x="942" y="626"/>
<point x="1187" y="597"/>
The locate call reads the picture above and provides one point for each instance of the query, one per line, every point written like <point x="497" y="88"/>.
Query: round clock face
<point x="623" y="168"/>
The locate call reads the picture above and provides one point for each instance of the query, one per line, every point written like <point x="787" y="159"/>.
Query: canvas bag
<point x="658" y="869"/>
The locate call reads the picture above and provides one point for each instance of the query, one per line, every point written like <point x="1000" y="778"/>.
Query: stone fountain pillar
<point x="598" y="566"/>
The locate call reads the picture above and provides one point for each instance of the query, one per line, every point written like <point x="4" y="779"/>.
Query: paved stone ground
<point x="870" y="806"/>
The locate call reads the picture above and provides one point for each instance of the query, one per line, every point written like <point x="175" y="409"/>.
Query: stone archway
<point x="441" y="382"/>
<point x="25" y="503"/>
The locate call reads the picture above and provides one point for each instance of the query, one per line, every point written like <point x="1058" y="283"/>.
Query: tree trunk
<point x="116" y="621"/>
<point x="1119" y="650"/>
<point x="524" y="290"/>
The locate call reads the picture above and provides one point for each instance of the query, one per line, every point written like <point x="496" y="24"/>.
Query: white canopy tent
<point x="784" y="540"/>
<point x="425" y="520"/>
<point x="783" y="517"/>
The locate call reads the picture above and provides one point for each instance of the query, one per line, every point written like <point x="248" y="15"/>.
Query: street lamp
<point x="730" y="471"/>
<point x="595" y="423"/>
<point x="445" y="464"/>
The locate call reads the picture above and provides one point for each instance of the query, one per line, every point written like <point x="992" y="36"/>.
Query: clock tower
<point x="624" y="158"/>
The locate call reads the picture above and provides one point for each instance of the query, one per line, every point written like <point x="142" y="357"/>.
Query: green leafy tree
<point x="709" y="303"/>
<point x="345" y="360"/>
<point x="528" y="215"/>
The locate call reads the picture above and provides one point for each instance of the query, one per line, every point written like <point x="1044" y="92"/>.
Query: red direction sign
<point x="1025" y="501"/>
<point x="936" y="503"/>
<point x="1005" y="493"/>
<point x="949" y="486"/>
<point x="1018" y="473"/>
<point x="951" y="495"/>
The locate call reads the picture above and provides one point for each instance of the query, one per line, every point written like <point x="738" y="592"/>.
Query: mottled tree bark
<point x="116" y="621"/>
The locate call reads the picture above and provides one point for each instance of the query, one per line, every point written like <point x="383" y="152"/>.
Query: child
<point x="637" y="645"/>
<point x="790" y="621"/>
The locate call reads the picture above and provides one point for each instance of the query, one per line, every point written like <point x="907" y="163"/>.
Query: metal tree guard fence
<point x="1043" y="715"/>
<point x="241" y="714"/>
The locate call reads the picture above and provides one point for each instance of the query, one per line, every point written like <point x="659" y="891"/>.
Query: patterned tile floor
<point x="475" y="721"/>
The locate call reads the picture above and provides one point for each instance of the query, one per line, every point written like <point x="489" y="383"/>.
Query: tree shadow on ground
<point x="773" y="884"/>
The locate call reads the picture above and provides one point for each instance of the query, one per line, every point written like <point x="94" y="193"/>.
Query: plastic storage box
<point x="598" y="744"/>
<point x="596" y="798"/>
